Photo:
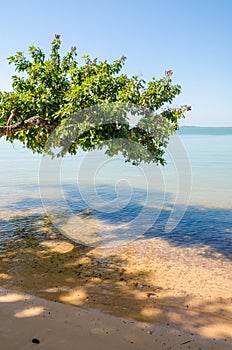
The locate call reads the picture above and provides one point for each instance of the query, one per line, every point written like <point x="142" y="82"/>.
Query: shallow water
<point x="100" y="194"/>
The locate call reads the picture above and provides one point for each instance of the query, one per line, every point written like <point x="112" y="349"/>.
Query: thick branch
<point x="10" y="130"/>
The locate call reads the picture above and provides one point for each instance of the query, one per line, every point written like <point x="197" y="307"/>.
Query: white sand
<point x="58" y="326"/>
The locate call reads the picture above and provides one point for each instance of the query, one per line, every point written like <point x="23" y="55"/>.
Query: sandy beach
<point x="29" y="322"/>
<point x="156" y="294"/>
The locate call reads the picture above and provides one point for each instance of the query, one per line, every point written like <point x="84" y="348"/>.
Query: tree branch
<point x="10" y="130"/>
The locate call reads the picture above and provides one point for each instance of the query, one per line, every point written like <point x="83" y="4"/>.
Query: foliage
<point x="56" y="93"/>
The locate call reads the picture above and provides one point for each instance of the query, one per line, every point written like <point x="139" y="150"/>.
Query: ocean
<point x="97" y="200"/>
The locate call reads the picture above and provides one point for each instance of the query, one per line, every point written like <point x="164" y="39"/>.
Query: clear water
<point x="118" y="192"/>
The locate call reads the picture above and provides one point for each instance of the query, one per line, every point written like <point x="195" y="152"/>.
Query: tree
<point x="55" y="94"/>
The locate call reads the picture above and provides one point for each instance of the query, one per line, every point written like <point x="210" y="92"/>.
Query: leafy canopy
<point x="57" y="96"/>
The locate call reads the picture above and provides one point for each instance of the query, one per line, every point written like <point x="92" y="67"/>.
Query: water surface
<point x="207" y="219"/>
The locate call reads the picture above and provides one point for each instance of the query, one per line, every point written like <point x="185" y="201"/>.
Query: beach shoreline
<point x="149" y="281"/>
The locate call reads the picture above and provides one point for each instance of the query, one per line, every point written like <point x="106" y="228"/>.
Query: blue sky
<point x="191" y="37"/>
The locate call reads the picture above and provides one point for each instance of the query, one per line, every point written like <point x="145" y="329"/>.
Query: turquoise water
<point x="116" y="193"/>
<point x="210" y="151"/>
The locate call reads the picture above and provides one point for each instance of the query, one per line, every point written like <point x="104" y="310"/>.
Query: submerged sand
<point x="187" y="289"/>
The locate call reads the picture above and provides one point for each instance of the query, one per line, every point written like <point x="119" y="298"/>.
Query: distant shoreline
<point x="201" y="130"/>
<point x="205" y="126"/>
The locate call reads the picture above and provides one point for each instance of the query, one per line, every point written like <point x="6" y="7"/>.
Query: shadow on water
<point x="199" y="226"/>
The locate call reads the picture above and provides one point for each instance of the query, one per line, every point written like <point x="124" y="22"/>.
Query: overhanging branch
<point x="10" y="130"/>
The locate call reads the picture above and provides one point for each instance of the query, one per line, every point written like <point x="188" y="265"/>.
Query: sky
<point x="191" y="37"/>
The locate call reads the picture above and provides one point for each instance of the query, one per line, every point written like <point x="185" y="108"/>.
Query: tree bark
<point x="10" y="130"/>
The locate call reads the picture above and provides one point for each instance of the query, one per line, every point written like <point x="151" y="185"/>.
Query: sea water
<point x="194" y="189"/>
